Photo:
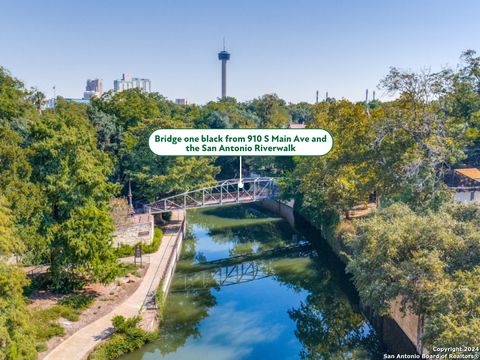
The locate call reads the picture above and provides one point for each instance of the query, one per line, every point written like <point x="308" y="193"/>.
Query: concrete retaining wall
<point x="167" y="280"/>
<point x="170" y="248"/>
<point x="284" y="209"/>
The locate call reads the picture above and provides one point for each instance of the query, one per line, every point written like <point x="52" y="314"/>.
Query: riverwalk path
<point x="81" y="343"/>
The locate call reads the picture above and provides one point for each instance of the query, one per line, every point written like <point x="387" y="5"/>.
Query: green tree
<point x="417" y="140"/>
<point x="348" y="174"/>
<point x="13" y="97"/>
<point x="420" y="258"/>
<point x="15" y="332"/>
<point x="271" y="110"/>
<point x="154" y="175"/>
<point x="73" y="176"/>
<point x="16" y="335"/>
<point x="66" y="162"/>
<point x="82" y="248"/>
<point x="301" y="113"/>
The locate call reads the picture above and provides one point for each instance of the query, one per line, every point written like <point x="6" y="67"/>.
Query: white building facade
<point x="128" y="82"/>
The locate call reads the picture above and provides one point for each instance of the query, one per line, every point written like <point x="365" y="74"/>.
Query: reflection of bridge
<point x="223" y="276"/>
<point x="223" y="193"/>
<point x="233" y="270"/>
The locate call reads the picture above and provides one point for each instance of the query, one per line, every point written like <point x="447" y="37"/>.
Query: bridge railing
<point x="224" y="192"/>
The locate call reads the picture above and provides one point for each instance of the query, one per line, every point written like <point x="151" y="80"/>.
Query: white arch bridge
<point x="223" y="193"/>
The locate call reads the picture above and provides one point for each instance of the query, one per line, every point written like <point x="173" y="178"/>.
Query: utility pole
<point x="240" y="182"/>
<point x="131" y="210"/>
<point x="366" y="102"/>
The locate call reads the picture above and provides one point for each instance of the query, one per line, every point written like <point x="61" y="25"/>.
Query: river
<point x="276" y="298"/>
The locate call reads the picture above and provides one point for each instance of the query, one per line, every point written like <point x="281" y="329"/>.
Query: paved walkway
<point x="81" y="343"/>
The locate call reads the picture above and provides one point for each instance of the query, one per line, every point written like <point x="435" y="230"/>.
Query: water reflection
<point x="304" y="307"/>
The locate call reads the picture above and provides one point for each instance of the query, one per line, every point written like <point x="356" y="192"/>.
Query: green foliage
<point x="128" y="336"/>
<point x="13" y="97"/>
<point x="301" y="113"/>
<point x="431" y="260"/>
<point x="78" y="302"/>
<point x="271" y="110"/>
<point x="125" y="250"/>
<point x="25" y="202"/>
<point x="83" y="248"/>
<point x="154" y="245"/>
<point x="348" y="174"/>
<point x="167" y="216"/>
<point x="8" y="242"/>
<point x="73" y="170"/>
<point x="126" y="269"/>
<point x="16" y="333"/>
<point x="154" y="175"/>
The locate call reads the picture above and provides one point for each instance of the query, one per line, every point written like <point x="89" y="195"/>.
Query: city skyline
<point x="291" y="48"/>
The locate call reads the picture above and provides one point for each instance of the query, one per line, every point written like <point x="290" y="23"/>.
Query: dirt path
<point x="82" y="342"/>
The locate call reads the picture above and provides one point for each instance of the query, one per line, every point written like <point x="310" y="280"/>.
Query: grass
<point x="128" y="336"/>
<point x="125" y="269"/>
<point x="125" y="250"/>
<point x="160" y="300"/>
<point x="45" y="321"/>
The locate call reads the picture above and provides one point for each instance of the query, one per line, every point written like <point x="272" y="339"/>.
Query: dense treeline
<point x="59" y="169"/>
<point x="418" y="247"/>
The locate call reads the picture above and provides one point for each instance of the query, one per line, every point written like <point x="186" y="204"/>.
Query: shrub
<point x="41" y="347"/>
<point x="128" y="336"/>
<point x="154" y="245"/>
<point x="78" y="302"/>
<point x="125" y="250"/>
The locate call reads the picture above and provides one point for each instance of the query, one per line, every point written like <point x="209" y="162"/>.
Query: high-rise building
<point x="94" y="88"/>
<point x="128" y="82"/>
<point x="224" y="56"/>
<point x="181" y="101"/>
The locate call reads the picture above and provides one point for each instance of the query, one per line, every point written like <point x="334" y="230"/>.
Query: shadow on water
<point x="238" y="212"/>
<point x="321" y="317"/>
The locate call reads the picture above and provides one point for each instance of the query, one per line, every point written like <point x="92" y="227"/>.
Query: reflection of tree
<point x="328" y="328"/>
<point x="183" y="310"/>
<point x="248" y="228"/>
<point x="327" y="324"/>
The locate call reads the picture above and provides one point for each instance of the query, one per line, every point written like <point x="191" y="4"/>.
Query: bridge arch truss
<point x="223" y="193"/>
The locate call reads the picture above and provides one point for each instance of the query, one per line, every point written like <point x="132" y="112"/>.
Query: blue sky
<point x="290" y="47"/>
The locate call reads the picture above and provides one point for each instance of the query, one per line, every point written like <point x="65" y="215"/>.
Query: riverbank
<point x="398" y="331"/>
<point x="82" y="342"/>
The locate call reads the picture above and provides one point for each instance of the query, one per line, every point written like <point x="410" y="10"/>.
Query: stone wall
<point x="139" y="228"/>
